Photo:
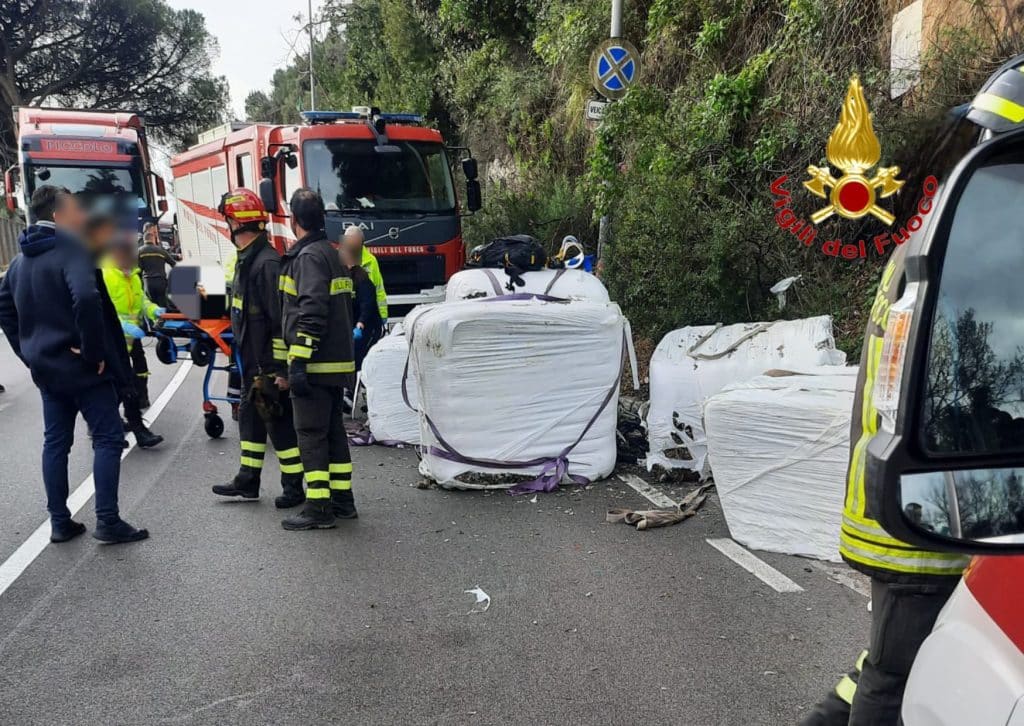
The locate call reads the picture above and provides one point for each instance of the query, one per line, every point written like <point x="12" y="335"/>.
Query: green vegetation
<point x="734" y="94"/>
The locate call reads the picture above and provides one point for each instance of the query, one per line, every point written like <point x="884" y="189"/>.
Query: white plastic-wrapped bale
<point x="391" y="421"/>
<point x="516" y="387"/>
<point x="484" y="282"/>
<point x="691" y="364"/>
<point x="779" y="447"/>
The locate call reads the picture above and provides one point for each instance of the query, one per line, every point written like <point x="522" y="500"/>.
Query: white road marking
<point x="649" y="492"/>
<point x="842" y="574"/>
<point x="755" y="566"/>
<point x="17" y="563"/>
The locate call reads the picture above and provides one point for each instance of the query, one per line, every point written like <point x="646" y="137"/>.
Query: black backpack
<point x="515" y="255"/>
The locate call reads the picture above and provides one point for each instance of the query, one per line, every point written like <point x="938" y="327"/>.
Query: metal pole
<point x="604" y="230"/>
<point x="312" y="90"/>
<point x="616" y="19"/>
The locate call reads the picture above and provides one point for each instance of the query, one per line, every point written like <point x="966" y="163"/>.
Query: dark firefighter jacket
<point x="256" y="310"/>
<point x="153" y="261"/>
<point x="316" y="292"/>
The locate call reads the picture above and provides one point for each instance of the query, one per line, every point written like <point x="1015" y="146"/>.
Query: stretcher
<point x="203" y="340"/>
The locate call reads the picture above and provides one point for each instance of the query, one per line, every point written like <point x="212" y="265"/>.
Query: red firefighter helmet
<point x="245" y="207"/>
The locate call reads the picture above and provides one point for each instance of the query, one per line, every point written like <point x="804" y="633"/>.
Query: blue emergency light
<point x="326" y="117"/>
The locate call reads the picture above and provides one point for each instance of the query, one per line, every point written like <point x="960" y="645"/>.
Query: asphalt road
<point x="224" y="618"/>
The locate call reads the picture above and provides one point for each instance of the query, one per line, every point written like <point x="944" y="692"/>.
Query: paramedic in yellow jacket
<point x="124" y="283"/>
<point x="354" y="241"/>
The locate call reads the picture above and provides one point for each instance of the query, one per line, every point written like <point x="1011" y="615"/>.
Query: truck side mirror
<point x="161" y="186"/>
<point x="291" y="160"/>
<point x="469" y="168"/>
<point x="161" y="204"/>
<point x="9" y="193"/>
<point x="268" y="195"/>
<point x="473" y="196"/>
<point x="268" y="167"/>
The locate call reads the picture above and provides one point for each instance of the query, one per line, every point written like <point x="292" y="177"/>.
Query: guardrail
<point x="9" y="231"/>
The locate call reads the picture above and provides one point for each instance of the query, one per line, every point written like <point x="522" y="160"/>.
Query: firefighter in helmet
<point x="256" y="325"/>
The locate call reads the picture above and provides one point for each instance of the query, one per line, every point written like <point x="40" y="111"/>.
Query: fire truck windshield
<point x="90" y="181"/>
<point x="352" y="176"/>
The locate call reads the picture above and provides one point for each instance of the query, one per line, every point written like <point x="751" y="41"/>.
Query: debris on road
<point x="483" y="600"/>
<point x="651" y="518"/>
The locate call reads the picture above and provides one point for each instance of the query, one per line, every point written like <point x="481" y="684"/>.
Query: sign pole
<point x="312" y="77"/>
<point x="604" y="227"/>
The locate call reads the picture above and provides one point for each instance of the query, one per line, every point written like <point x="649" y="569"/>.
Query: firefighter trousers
<point x="323" y="443"/>
<point x="253" y="432"/>
<point x="902" y="616"/>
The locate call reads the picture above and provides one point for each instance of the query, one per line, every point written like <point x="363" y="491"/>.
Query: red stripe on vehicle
<point x="997" y="585"/>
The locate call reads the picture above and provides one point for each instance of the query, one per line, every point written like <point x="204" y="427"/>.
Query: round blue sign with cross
<point x="615" y="67"/>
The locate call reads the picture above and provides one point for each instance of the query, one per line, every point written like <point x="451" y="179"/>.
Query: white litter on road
<point x="483" y="600"/>
<point x="755" y="566"/>
<point x="648" y="491"/>
<point x="31" y="548"/>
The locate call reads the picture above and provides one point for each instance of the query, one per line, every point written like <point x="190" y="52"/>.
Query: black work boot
<point x="343" y="504"/>
<point x="66" y="532"/>
<point x="316" y="514"/>
<point x="119" y="532"/>
<point x="292" y="494"/>
<point x="145" y="438"/>
<point x="245" y="485"/>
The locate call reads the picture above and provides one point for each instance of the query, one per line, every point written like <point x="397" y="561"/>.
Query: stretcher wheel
<point x="214" y="425"/>
<point x="201" y="353"/>
<point x="166" y="351"/>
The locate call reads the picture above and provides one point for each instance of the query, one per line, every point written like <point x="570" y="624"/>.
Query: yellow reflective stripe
<point x="280" y="355"/>
<point x="253" y="446"/>
<point x="252" y="463"/>
<point x="306" y="338"/>
<point x="278" y="343"/>
<point x="300" y="351"/>
<point x="881" y="558"/>
<point x="247" y="215"/>
<point x="291" y="468"/>
<point x="318" y="493"/>
<point x="287" y="284"/>
<point x="342" y="367"/>
<point x="860" y="661"/>
<point x="846" y="689"/>
<point x="868" y="529"/>
<point x="312" y="476"/>
<point x="341" y="486"/>
<point x="288" y="453"/>
<point x="236" y="302"/>
<point x="341" y="468"/>
<point x="340" y="285"/>
<point x="999" y="106"/>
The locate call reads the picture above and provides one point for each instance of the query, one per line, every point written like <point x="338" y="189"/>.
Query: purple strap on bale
<point x="366" y="438"/>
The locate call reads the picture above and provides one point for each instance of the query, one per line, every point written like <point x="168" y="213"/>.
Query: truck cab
<point x="92" y="153"/>
<point x="946" y="469"/>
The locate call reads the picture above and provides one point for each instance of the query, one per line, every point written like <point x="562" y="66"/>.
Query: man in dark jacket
<point x="256" y="324"/>
<point x="153" y="262"/>
<point x="52" y="314"/>
<point x="365" y="310"/>
<point x="317" y="327"/>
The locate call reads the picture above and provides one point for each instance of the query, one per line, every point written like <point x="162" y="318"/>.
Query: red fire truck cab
<point x="385" y="173"/>
<point x="92" y="153"/>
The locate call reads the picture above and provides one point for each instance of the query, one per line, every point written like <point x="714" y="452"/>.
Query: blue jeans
<point x="98" y="406"/>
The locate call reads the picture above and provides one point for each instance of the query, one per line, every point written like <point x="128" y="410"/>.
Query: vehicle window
<point x="219" y="177"/>
<point x="183" y="188"/>
<point x="243" y="170"/>
<point x="353" y="176"/>
<point x="201" y="188"/>
<point x="89" y="181"/>
<point x="292" y="181"/>
<point x="974" y="401"/>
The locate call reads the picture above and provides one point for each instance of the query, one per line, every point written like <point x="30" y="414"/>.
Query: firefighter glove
<point x="297" y="379"/>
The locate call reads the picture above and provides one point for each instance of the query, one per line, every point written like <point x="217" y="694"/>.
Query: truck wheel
<point x="166" y="352"/>
<point x="214" y="425"/>
<point x="200" y="353"/>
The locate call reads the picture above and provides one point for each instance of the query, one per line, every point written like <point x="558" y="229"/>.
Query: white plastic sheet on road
<point x="779" y="448"/>
<point x="570" y="284"/>
<point x="692" y="364"/>
<point x="515" y="381"/>
<point x="390" y="420"/>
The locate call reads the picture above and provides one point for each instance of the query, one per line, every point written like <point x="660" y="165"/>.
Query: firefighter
<point x="256" y="326"/>
<point x="153" y="261"/>
<point x="316" y="302"/>
<point x="124" y="283"/>
<point x="354" y="241"/>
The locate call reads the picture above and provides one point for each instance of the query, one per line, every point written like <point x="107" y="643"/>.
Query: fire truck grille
<point x="403" y="275"/>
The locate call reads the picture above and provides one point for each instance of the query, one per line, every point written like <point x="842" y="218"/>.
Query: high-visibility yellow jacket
<point x="125" y="290"/>
<point x="369" y="263"/>
<point x="863" y="543"/>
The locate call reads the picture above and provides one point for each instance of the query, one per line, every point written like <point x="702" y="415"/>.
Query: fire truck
<point x="386" y="173"/>
<point x="91" y="153"/>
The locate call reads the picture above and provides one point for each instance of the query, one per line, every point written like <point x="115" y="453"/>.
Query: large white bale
<point x="779" y="447"/>
<point x="692" y="364"/>
<point x="389" y="418"/>
<point x="512" y="381"/>
<point x="485" y="282"/>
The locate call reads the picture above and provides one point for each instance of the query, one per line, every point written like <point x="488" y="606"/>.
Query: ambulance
<point x="947" y="466"/>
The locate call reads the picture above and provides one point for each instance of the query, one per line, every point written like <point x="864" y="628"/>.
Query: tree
<point x="139" y="55"/>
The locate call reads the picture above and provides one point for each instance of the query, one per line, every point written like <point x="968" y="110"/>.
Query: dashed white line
<point x="17" y="563"/>
<point x="649" y="492"/>
<point x="755" y="566"/>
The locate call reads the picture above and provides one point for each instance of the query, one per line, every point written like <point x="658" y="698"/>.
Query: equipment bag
<point x="515" y="255"/>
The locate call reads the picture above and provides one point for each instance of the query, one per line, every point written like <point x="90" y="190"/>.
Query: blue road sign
<point x="615" y="67"/>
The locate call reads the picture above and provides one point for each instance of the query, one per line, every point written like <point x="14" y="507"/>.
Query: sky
<point x="256" y="37"/>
